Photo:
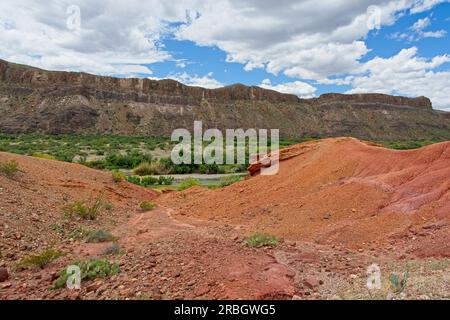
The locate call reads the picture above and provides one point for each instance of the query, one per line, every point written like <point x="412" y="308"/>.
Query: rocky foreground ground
<point x="338" y="206"/>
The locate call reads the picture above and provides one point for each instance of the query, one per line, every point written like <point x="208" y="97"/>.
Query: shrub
<point x="398" y="283"/>
<point x="66" y="157"/>
<point x="112" y="250"/>
<point x="210" y="169"/>
<point x="178" y="169"/>
<point x="128" y="161"/>
<point x="261" y="240"/>
<point x="9" y="169"/>
<point x="165" y="181"/>
<point x="143" y="181"/>
<point x="147" y="205"/>
<point x="90" y="269"/>
<point x="118" y="176"/>
<point x="43" y="156"/>
<point x="134" y="180"/>
<point x="188" y="183"/>
<point x="79" y="233"/>
<point x="149" y="169"/>
<point x="109" y="206"/>
<point x="57" y="228"/>
<point x="39" y="260"/>
<point x="99" y="236"/>
<point x="227" y="181"/>
<point x="83" y="210"/>
<point x="96" y="164"/>
<point x="150" y="181"/>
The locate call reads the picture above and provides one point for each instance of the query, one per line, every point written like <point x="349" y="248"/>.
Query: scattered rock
<point x="191" y="283"/>
<point x="6" y="285"/>
<point x="311" y="283"/>
<point x="93" y="287"/>
<point x="4" y="275"/>
<point x="176" y="274"/>
<point x="202" y="290"/>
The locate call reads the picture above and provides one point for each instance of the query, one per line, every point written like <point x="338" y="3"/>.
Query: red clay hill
<point x="339" y="191"/>
<point x="337" y="206"/>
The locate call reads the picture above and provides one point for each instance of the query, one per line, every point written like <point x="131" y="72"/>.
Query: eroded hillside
<point x="336" y="207"/>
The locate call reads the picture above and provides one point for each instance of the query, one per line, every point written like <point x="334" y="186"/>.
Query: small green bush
<point x="99" y="236"/>
<point x="408" y="145"/>
<point x="227" y="181"/>
<point x="143" y="181"/>
<point x="147" y="206"/>
<point x="109" y="206"/>
<point x="165" y="181"/>
<point x="118" y="176"/>
<point x="150" y="181"/>
<point x="398" y="283"/>
<point x="83" y="210"/>
<point x="134" y="180"/>
<point x="57" y="228"/>
<point x="79" y="233"/>
<point x="43" y="156"/>
<point x="210" y="169"/>
<point x="261" y="240"/>
<point x="39" y="260"/>
<point x="150" y="169"/>
<point x="128" y="161"/>
<point x="9" y="169"/>
<point x="90" y="269"/>
<point x="188" y="183"/>
<point x="112" y="250"/>
<point x="97" y="164"/>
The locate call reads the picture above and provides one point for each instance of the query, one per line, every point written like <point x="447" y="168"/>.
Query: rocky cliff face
<point x="38" y="101"/>
<point x="382" y="99"/>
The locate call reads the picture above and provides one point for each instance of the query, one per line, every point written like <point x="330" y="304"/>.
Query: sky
<point x="302" y="47"/>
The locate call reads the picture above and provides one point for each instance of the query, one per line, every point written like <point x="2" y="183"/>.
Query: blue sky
<point x="303" y="47"/>
<point x="202" y="61"/>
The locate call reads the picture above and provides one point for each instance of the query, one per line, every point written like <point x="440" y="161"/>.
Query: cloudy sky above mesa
<point x="304" y="47"/>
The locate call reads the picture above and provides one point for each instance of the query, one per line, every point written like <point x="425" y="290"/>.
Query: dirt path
<point x="185" y="260"/>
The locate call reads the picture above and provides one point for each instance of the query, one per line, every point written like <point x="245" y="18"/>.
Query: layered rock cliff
<point x="39" y="101"/>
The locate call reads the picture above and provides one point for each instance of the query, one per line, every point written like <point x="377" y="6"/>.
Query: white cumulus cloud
<point x="405" y="74"/>
<point x="303" y="39"/>
<point x="112" y="37"/>
<point x="307" y="39"/>
<point x="425" y="5"/>
<point x="299" y="88"/>
<point x="418" y="31"/>
<point x="206" y="81"/>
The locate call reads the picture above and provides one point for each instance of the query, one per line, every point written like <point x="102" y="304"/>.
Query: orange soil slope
<point x="31" y="202"/>
<point x="340" y="191"/>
